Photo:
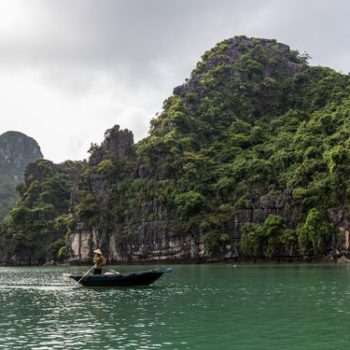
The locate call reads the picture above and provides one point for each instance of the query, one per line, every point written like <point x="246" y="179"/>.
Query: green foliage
<point x="214" y="242"/>
<point x="106" y="167"/>
<point x="189" y="203"/>
<point x="252" y="240"/>
<point x="266" y="240"/>
<point x="87" y="207"/>
<point x="8" y="195"/>
<point x="315" y="234"/>
<point x="35" y="228"/>
<point x="339" y="160"/>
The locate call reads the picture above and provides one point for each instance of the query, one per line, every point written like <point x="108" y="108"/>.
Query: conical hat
<point x="98" y="251"/>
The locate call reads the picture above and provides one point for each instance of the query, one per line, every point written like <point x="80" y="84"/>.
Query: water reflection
<point x="43" y="311"/>
<point x="195" y="307"/>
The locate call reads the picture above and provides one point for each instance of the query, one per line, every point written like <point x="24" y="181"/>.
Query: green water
<point x="195" y="307"/>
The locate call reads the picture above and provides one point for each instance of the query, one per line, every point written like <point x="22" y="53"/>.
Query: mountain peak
<point x="17" y="150"/>
<point x="242" y="58"/>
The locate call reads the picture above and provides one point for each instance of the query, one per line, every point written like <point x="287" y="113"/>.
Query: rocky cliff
<point x="16" y="152"/>
<point x="241" y="148"/>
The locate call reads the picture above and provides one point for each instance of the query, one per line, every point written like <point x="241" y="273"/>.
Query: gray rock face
<point x="163" y="240"/>
<point x="152" y="241"/>
<point x="16" y="152"/>
<point x="117" y="142"/>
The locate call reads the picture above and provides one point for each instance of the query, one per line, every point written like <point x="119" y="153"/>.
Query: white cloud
<point x="65" y="123"/>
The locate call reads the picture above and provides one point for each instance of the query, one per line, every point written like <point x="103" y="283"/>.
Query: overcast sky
<point x="70" y="69"/>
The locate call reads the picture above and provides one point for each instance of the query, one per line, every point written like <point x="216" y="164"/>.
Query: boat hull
<point x="122" y="280"/>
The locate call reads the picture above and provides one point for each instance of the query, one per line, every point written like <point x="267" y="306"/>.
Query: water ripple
<point x="196" y="307"/>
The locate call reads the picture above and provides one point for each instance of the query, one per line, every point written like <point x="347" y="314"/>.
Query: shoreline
<point x="235" y="261"/>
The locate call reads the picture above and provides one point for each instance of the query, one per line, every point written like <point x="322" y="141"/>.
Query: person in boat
<point x="99" y="261"/>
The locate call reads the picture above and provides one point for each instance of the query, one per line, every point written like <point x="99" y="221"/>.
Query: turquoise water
<point x="195" y="307"/>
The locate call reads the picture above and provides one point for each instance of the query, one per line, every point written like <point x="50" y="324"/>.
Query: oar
<point x="85" y="274"/>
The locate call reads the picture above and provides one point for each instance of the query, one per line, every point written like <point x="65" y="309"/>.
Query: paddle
<point x="85" y="274"/>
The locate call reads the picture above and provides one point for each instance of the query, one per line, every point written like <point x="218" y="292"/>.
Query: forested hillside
<point x="248" y="159"/>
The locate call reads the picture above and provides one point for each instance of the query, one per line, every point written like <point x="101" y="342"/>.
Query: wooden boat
<point x="144" y="278"/>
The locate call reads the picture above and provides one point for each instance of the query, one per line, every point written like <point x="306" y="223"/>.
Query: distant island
<point x="17" y="150"/>
<point x="249" y="160"/>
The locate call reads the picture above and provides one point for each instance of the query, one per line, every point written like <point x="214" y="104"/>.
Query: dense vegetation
<point x="251" y="154"/>
<point x="35" y="229"/>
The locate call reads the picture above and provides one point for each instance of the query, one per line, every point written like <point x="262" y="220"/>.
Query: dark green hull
<point x="122" y="280"/>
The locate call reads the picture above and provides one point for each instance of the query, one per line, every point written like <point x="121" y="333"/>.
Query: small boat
<point x="144" y="278"/>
